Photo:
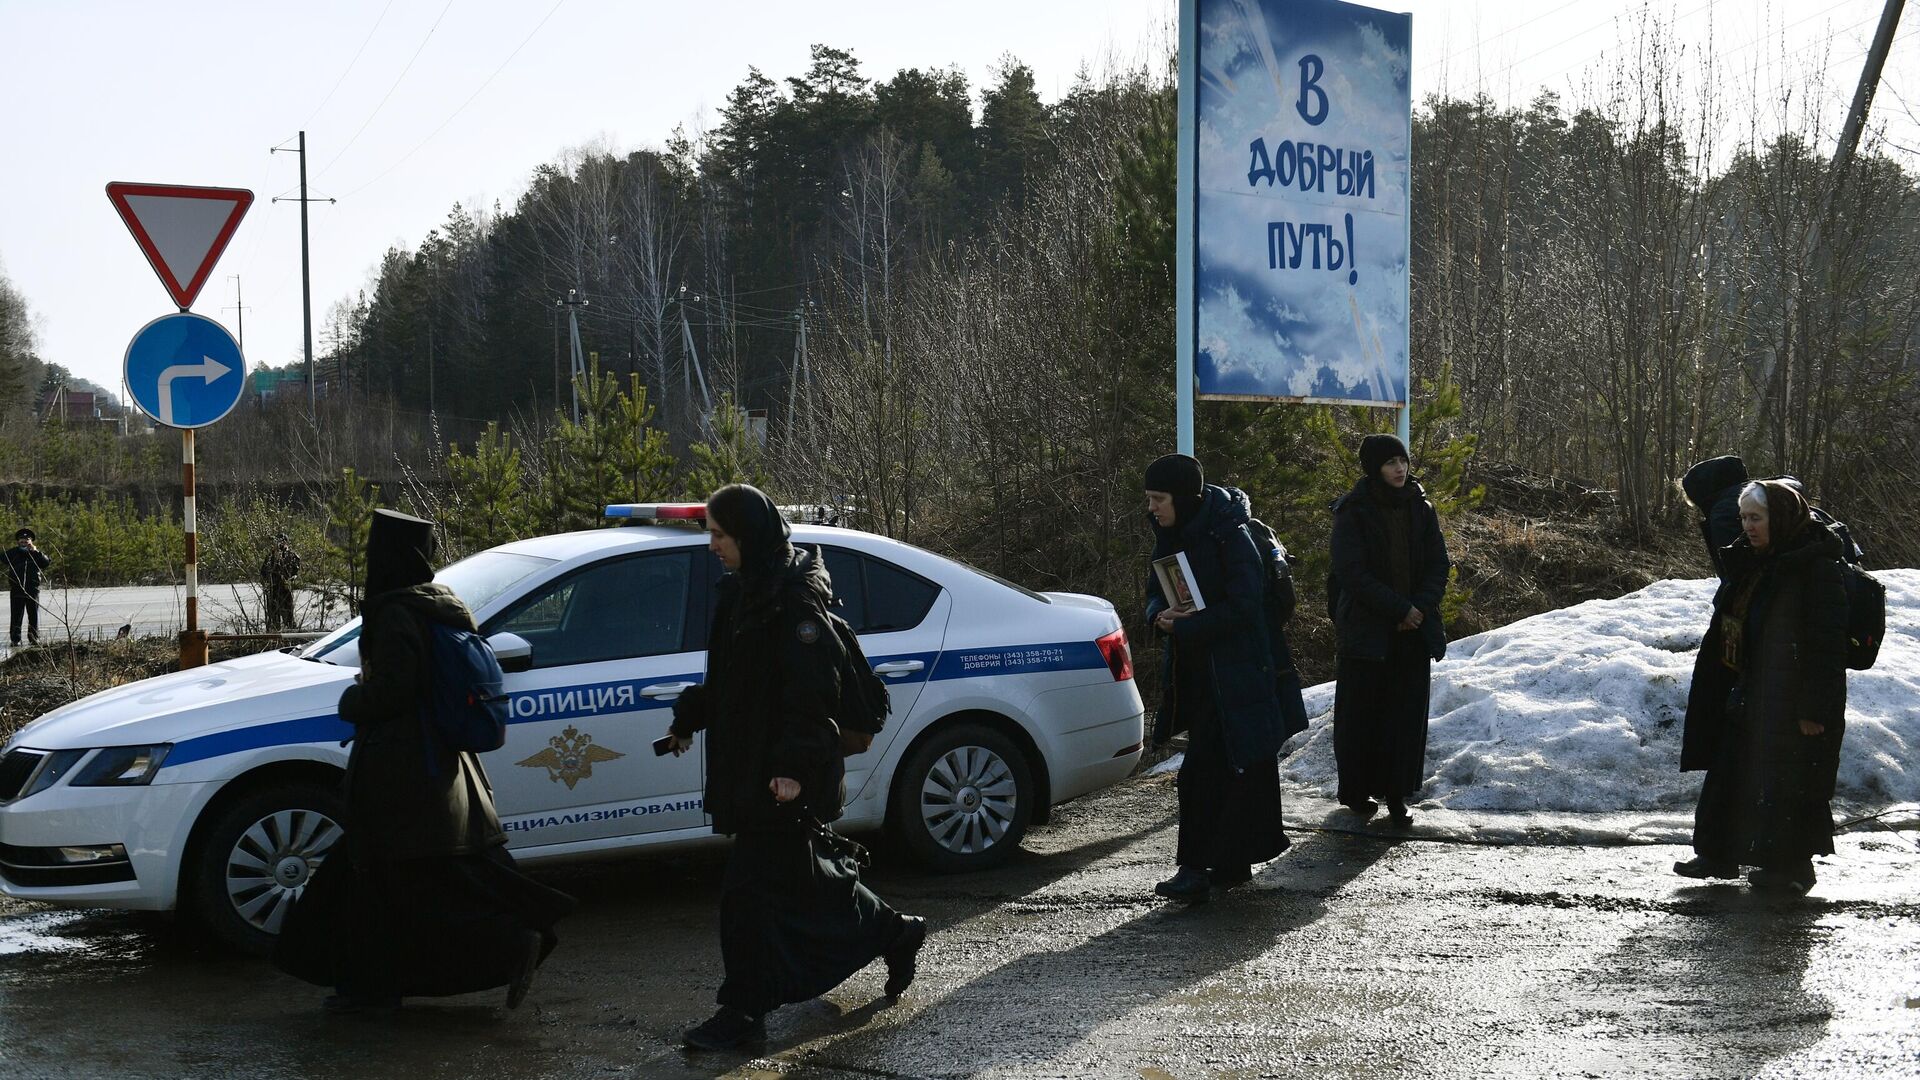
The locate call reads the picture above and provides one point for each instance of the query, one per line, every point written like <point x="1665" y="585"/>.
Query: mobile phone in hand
<point x="663" y="745"/>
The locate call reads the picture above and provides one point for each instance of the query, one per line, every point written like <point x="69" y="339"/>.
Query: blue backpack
<point x="465" y="710"/>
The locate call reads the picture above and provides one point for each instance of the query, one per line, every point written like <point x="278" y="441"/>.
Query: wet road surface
<point x="1371" y="954"/>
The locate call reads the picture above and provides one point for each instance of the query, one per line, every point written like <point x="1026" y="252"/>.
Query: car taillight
<point x="1119" y="657"/>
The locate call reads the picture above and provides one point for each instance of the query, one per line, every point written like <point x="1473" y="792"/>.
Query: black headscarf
<point x="1787" y="513"/>
<point x="399" y="552"/>
<point x="745" y="513"/>
<point x="1181" y="477"/>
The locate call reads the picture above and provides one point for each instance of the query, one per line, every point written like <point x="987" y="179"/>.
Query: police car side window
<point x="896" y="599"/>
<point x="849" y="585"/>
<point x="616" y="610"/>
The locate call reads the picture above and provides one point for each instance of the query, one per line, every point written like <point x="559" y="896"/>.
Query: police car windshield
<point x="477" y="580"/>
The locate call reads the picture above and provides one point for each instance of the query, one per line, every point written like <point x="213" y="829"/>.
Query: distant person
<point x="1219" y="683"/>
<point x="277" y="572"/>
<point x="1771" y="747"/>
<point x="795" y="919"/>
<point x="1713" y="488"/>
<point x="420" y="897"/>
<point x="25" y="565"/>
<point x="1389" y="572"/>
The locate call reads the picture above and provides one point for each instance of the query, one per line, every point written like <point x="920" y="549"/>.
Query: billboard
<point x="1301" y="136"/>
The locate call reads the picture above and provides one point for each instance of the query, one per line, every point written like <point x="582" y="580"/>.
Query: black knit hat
<point x="399" y="552"/>
<point x="1178" y="475"/>
<point x="1377" y="450"/>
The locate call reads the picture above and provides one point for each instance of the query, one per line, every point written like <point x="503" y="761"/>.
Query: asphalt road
<point x="1370" y="955"/>
<point x="160" y="609"/>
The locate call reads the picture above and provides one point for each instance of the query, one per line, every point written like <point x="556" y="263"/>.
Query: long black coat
<point x="773" y="680"/>
<point x="399" y="805"/>
<point x="1713" y="487"/>
<point x="1795" y="649"/>
<point x="1366" y="609"/>
<point x="1229" y="635"/>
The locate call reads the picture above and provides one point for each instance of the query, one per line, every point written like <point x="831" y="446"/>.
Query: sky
<point x="412" y="105"/>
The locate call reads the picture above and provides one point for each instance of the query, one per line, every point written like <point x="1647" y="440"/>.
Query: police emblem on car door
<point x="613" y="644"/>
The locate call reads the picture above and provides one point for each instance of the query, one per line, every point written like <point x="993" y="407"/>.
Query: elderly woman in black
<point x="795" y="920"/>
<point x="1389" y="573"/>
<point x="1219" y="683"/>
<point x="1771" y="749"/>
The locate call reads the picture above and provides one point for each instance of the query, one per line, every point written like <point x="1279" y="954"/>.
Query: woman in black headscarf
<point x="1389" y="572"/>
<point x="1772" y="748"/>
<point x="420" y="898"/>
<point x="795" y="920"/>
<point x="1218" y="684"/>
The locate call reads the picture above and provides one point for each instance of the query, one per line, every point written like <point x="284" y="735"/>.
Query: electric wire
<point x="317" y="109"/>
<point x="389" y="94"/>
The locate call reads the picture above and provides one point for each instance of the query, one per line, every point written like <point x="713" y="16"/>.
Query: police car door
<point x="901" y="618"/>
<point x="612" y="645"/>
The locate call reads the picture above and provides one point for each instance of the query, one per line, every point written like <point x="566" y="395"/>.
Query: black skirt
<point x="1380" y="721"/>
<point x="417" y="927"/>
<point x="1229" y="818"/>
<point x="795" y="920"/>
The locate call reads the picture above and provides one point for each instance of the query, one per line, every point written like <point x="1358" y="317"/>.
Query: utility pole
<point x="306" y="276"/>
<point x="577" y="362"/>
<point x="240" y="306"/>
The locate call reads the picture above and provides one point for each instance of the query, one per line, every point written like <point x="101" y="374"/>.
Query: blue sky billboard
<point x="1302" y="120"/>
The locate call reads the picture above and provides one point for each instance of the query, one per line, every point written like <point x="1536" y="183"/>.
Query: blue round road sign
<point x="185" y="370"/>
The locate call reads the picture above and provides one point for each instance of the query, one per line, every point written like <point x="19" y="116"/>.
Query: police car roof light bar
<point x="659" y="511"/>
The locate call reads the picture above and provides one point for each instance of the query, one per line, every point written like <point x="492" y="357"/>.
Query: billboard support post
<point x="1187" y="143"/>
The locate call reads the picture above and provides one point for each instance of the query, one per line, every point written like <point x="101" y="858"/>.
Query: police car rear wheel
<point x="964" y="799"/>
<point x="258" y="857"/>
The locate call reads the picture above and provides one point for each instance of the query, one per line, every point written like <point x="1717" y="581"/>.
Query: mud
<point x="1357" y="953"/>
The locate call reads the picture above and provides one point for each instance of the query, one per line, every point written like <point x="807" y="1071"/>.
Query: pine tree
<point x="349" y="508"/>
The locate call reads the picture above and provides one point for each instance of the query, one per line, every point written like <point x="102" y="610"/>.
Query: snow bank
<point x="1581" y="710"/>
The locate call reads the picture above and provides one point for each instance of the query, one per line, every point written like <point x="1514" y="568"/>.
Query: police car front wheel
<point x="257" y="857"/>
<point x="964" y="798"/>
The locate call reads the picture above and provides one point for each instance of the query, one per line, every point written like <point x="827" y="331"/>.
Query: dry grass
<point x="38" y="680"/>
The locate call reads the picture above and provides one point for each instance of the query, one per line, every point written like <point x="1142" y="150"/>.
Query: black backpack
<point x="1866" y="616"/>
<point x="864" y="701"/>
<point x="1278" y="595"/>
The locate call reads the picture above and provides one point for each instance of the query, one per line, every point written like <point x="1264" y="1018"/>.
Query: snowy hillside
<point x="1580" y="710"/>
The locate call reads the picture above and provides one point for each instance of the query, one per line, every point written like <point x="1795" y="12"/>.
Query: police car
<point x="216" y="790"/>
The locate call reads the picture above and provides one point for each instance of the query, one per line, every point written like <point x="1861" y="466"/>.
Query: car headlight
<point x="117" y="766"/>
<point x="57" y="765"/>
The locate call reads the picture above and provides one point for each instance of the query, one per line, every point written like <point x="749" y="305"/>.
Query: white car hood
<point x="252" y="689"/>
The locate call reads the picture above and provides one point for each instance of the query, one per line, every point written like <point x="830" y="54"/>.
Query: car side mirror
<point x="514" y="652"/>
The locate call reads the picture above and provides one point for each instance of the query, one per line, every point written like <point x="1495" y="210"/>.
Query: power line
<point x="349" y="68"/>
<point x="389" y="94"/>
<point x="558" y="4"/>
<point x="1475" y="47"/>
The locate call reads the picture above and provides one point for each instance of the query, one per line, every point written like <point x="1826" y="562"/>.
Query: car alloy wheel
<point x="271" y="862"/>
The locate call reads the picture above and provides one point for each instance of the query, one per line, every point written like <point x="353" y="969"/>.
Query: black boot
<point x="1701" y="867"/>
<point x="903" y="955"/>
<point x="530" y="948"/>
<point x="726" y="1029"/>
<point x="1190" y="886"/>
<point x="1365" y="808"/>
<point x="1397" y="814"/>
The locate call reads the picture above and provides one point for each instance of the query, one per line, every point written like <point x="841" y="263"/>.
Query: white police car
<point x="216" y="789"/>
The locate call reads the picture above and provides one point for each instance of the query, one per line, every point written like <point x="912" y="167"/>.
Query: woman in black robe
<point x="1219" y="684"/>
<point x="420" y="897"/>
<point x="1389" y="572"/>
<point x="1771" y="747"/>
<point x="795" y="919"/>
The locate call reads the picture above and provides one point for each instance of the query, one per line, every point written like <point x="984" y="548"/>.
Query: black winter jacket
<point x="1794" y="649"/>
<point x="23" y="570"/>
<point x="1366" y="610"/>
<point x="1229" y="635"/>
<point x="398" y="805"/>
<point x="773" y="680"/>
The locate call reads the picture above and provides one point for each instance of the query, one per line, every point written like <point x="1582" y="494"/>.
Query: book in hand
<point x="1177" y="583"/>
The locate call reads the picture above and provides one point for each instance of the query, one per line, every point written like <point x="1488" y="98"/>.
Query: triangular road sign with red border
<point x="181" y="229"/>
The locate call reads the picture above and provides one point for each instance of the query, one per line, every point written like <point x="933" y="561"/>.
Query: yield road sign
<point x="182" y="230"/>
<point x="185" y="370"/>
